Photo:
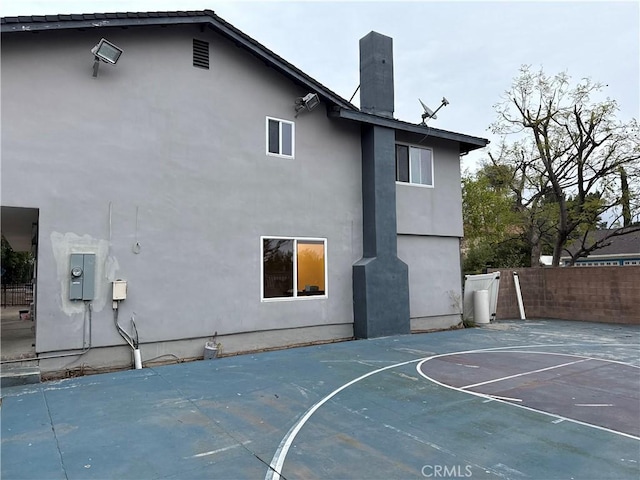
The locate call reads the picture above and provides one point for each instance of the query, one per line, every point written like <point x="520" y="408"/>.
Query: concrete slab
<point x="10" y="376"/>
<point x="17" y="334"/>
<point x="356" y="409"/>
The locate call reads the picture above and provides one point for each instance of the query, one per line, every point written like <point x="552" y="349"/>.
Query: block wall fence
<point x="592" y="294"/>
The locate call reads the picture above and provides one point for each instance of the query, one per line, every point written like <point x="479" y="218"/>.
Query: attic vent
<point x="200" y="54"/>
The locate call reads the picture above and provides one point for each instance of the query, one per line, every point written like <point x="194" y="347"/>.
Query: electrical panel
<point x="82" y="272"/>
<point x="119" y="290"/>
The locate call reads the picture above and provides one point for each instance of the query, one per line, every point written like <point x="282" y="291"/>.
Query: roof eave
<point x="37" y="23"/>
<point x="467" y="143"/>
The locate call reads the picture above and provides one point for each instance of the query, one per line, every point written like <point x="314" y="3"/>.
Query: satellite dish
<point x="428" y="113"/>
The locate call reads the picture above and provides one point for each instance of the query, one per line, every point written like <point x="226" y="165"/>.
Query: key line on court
<point x="523" y="374"/>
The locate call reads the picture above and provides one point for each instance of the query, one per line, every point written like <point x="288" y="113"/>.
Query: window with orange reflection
<point x="293" y="267"/>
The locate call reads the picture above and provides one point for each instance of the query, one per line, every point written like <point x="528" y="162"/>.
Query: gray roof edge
<point x="63" y="24"/>
<point x="38" y="23"/>
<point x="468" y="143"/>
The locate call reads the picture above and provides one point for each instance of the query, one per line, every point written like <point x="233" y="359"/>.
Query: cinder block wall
<point x="594" y="294"/>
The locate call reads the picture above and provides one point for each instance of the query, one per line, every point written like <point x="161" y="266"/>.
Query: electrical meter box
<point x="119" y="290"/>
<point x="82" y="272"/>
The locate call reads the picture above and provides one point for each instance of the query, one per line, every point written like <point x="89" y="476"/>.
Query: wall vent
<point x="200" y="54"/>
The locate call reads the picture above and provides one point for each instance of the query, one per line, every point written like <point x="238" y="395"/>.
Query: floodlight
<point x="107" y="52"/>
<point x="309" y="101"/>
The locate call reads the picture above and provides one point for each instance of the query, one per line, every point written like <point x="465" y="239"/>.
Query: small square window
<point x="414" y="165"/>
<point x="293" y="267"/>
<point x="280" y="137"/>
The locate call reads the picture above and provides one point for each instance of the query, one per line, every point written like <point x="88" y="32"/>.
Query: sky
<point x="469" y="52"/>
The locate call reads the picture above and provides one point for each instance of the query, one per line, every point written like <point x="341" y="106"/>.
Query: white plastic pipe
<point x="516" y="281"/>
<point x="137" y="359"/>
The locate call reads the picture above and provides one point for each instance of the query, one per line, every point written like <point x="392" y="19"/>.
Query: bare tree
<point x="566" y="152"/>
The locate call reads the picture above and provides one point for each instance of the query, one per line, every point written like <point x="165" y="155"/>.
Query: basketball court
<point x="521" y="399"/>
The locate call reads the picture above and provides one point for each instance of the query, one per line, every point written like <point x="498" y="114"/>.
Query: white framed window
<point x="293" y="268"/>
<point x="280" y="137"/>
<point x="414" y="165"/>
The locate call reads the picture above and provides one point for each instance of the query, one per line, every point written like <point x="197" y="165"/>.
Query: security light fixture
<point x="105" y="51"/>
<point x="309" y="101"/>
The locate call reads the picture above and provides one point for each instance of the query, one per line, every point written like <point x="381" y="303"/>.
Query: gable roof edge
<point x="38" y="23"/>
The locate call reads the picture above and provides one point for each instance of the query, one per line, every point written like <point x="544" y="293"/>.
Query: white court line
<point x="510" y="399"/>
<point x="280" y="455"/>
<point x="574" y="355"/>
<point x="559" y="418"/>
<point x="523" y="374"/>
<point x="223" y="449"/>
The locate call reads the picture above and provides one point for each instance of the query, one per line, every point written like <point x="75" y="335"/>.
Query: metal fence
<point x="17" y="294"/>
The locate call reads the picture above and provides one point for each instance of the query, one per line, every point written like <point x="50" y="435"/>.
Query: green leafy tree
<point x="17" y="267"/>
<point x="492" y="226"/>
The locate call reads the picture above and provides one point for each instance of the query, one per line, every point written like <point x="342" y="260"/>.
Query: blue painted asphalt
<point x="230" y="418"/>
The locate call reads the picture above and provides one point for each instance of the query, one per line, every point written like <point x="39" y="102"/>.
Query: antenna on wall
<point x="428" y="113"/>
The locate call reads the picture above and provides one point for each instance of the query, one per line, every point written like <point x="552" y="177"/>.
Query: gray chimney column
<point x="380" y="278"/>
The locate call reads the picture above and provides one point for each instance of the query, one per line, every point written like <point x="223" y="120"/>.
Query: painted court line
<point x="509" y="399"/>
<point x="559" y="418"/>
<point x="219" y="450"/>
<point x="523" y="374"/>
<point x="578" y="356"/>
<point x="280" y="455"/>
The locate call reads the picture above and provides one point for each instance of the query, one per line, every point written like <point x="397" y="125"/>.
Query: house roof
<point x="467" y="142"/>
<point x="341" y="108"/>
<point x="627" y="244"/>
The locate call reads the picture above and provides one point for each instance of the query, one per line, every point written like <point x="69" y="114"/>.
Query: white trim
<point x="414" y="184"/>
<point x="293" y="137"/>
<point x="295" y="297"/>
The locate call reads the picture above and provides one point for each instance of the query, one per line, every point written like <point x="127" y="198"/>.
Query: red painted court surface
<point x="537" y="400"/>
<point x="599" y="392"/>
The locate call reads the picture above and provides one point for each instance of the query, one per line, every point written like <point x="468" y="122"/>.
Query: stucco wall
<point x="434" y="280"/>
<point x="433" y="210"/>
<point x="429" y="231"/>
<point x="597" y="294"/>
<point x="159" y="152"/>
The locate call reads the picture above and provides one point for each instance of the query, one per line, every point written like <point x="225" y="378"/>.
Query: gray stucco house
<point x="192" y="170"/>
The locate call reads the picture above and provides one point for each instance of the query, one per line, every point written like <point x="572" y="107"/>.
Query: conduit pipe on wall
<point x="516" y="281"/>
<point x="132" y="340"/>
<point x="137" y="359"/>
